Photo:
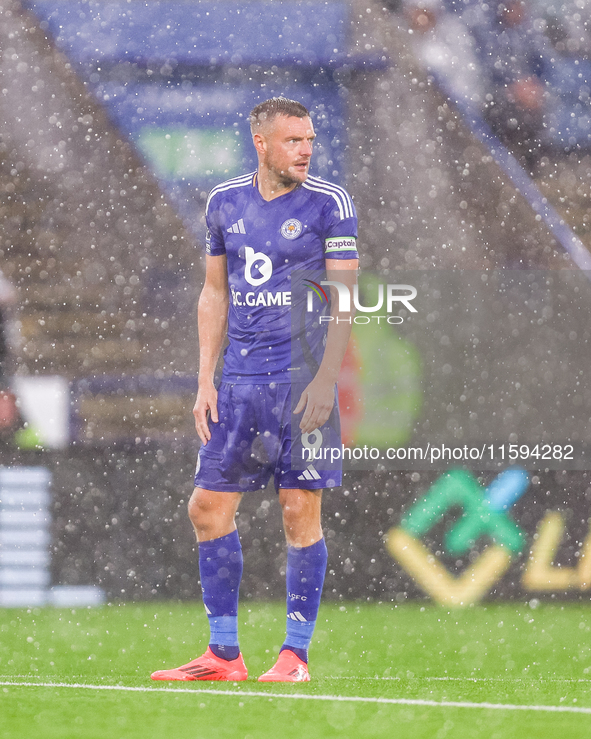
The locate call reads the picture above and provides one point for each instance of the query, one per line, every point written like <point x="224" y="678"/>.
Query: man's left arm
<point x="317" y="400"/>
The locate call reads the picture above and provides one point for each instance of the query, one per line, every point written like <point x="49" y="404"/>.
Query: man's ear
<point x="259" y="143"/>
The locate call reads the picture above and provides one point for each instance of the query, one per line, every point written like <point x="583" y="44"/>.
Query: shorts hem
<point x="319" y="486"/>
<point x="219" y="488"/>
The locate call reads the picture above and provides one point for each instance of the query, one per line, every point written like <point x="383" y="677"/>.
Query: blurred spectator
<point x="568" y="77"/>
<point x="10" y="418"/>
<point x="444" y="44"/>
<point x="567" y="26"/>
<point x="8" y="298"/>
<point x="422" y="15"/>
<point x="14" y="431"/>
<point x="524" y="64"/>
<point x="513" y="56"/>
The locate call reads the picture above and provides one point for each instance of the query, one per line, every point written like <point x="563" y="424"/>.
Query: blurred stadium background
<point x="464" y="136"/>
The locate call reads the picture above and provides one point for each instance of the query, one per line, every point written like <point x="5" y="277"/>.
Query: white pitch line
<point x="376" y="678"/>
<point x="302" y="696"/>
<point x="429" y="678"/>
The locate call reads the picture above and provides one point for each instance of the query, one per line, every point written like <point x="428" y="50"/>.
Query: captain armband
<point x="337" y="244"/>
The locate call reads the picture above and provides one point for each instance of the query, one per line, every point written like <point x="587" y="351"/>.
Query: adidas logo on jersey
<point x="237" y="228"/>
<point x="309" y="474"/>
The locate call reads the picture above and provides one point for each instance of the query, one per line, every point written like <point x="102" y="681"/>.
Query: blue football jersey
<point x="264" y="243"/>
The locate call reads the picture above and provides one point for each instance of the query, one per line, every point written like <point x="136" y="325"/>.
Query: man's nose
<point x="306" y="148"/>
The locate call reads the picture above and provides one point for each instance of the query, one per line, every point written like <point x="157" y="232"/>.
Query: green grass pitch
<point x="495" y="671"/>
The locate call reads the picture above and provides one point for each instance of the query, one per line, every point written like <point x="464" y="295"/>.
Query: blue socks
<point x="306" y="567"/>
<point x="220" y="568"/>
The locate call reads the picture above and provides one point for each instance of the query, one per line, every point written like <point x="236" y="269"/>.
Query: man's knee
<point x="212" y="513"/>
<point x="301" y="510"/>
<point x="298" y="500"/>
<point x="198" y="508"/>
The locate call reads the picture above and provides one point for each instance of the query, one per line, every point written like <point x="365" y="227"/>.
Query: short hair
<point x="268" y="110"/>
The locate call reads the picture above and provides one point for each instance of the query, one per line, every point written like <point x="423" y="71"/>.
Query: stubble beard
<point x="286" y="178"/>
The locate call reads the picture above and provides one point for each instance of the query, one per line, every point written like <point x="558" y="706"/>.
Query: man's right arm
<point x="212" y="321"/>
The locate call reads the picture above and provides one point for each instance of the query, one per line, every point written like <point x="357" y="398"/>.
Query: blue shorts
<point x="253" y="440"/>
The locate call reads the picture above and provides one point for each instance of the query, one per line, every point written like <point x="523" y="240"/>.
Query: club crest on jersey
<point x="291" y="228"/>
